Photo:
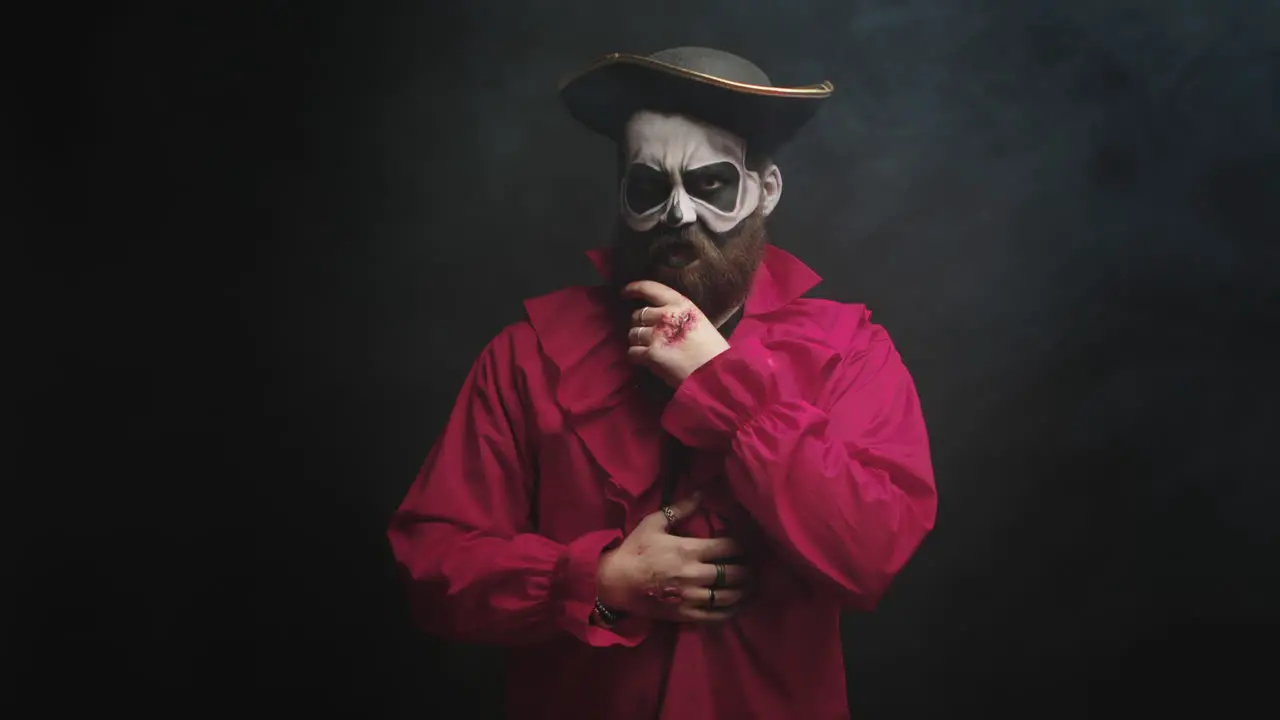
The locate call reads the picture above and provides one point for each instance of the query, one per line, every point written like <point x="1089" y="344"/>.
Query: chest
<point x="609" y="469"/>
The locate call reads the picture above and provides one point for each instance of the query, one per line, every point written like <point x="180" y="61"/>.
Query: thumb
<point x="681" y="510"/>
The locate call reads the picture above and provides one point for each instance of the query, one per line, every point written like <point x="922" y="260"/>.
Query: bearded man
<point x="659" y="493"/>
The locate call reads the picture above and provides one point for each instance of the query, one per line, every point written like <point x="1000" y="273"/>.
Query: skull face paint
<point x="692" y="215"/>
<point x="680" y="171"/>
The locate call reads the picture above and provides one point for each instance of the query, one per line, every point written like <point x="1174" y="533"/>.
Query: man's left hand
<point x="670" y="334"/>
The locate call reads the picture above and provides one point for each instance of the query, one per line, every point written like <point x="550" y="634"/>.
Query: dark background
<point x="262" y="243"/>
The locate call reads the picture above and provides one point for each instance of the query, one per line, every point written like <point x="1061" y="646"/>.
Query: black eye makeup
<point x="647" y="188"/>
<point x="715" y="184"/>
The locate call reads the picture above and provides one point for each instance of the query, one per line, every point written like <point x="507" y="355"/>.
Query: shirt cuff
<point x="576" y="584"/>
<point x="721" y="396"/>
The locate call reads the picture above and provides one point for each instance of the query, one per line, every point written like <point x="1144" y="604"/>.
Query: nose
<point x="680" y="209"/>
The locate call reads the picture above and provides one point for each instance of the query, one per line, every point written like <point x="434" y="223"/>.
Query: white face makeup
<point x="680" y="170"/>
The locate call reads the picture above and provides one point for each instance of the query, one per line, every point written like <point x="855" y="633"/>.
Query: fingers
<point x="704" y="575"/>
<point x="709" y="551"/>
<point x="646" y="316"/>
<point x="685" y="508"/>
<point x="640" y="336"/>
<point x="700" y="597"/>
<point x="698" y="603"/>
<point x="673" y="514"/>
<point x="638" y="354"/>
<point x="655" y="293"/>
<point x="701" y="615"/>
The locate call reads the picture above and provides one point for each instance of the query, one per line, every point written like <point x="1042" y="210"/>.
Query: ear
<point x="771" y="185"/>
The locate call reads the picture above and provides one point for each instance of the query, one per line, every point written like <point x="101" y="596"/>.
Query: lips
<point x="679" y="257"/>
<point x="674" y="253"/>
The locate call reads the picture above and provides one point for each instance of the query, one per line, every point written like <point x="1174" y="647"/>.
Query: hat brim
<point x="610" y="90"/>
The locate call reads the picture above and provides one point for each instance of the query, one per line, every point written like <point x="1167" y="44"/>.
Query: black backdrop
<point x="265" y="240"/>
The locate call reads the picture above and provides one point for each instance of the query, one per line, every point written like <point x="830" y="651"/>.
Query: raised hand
<point x="670" y="334"/>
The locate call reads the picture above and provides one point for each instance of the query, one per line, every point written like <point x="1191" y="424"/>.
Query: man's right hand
<point x="668" y="577"/>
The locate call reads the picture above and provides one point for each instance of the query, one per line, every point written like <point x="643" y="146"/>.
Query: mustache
<point x="661" y="241"/>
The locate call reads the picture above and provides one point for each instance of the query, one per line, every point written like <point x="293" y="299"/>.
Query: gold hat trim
<point x="820" y="90"/>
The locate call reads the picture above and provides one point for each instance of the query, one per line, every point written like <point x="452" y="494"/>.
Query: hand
<point x="668" y="577"/>
<point x="670" y="334"/>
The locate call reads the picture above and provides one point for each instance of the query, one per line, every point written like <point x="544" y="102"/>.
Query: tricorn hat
<point x="711" y="85"/>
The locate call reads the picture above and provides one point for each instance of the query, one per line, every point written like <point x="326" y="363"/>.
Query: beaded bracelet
<point x="607" y="616"/>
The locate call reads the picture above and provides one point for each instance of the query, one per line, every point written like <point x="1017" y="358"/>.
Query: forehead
<point x="659" y="135"/>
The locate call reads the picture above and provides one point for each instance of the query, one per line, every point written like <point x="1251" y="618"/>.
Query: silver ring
<point x="711" y="598"/>
<point x="671" y="514"/>
<point x="719" y="581"/>
<point x="642" y="312"/>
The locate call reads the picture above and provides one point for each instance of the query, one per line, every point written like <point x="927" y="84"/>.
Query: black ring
<point x="711" y="598"/>
<point x="719" y="582"/>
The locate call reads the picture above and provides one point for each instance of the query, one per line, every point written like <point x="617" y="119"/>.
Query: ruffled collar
<point x="582" y="331"/>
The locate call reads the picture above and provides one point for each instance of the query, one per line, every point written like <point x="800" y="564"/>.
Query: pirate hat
<point x="712" y="85"/>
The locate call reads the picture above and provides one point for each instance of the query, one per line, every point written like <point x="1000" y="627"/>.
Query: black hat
<point x="711" y="85"/>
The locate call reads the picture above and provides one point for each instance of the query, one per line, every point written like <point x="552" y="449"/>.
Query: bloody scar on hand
<point x="676" y="326"/>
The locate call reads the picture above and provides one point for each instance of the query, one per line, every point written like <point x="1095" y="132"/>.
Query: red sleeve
<point x="828" y="453"/>
<point x="475" y="569"/>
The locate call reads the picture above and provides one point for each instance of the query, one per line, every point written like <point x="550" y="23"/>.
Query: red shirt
<point x="809" y="446"/>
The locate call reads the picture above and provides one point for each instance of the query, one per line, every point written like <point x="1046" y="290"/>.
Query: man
<point x="659" y="493"/>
